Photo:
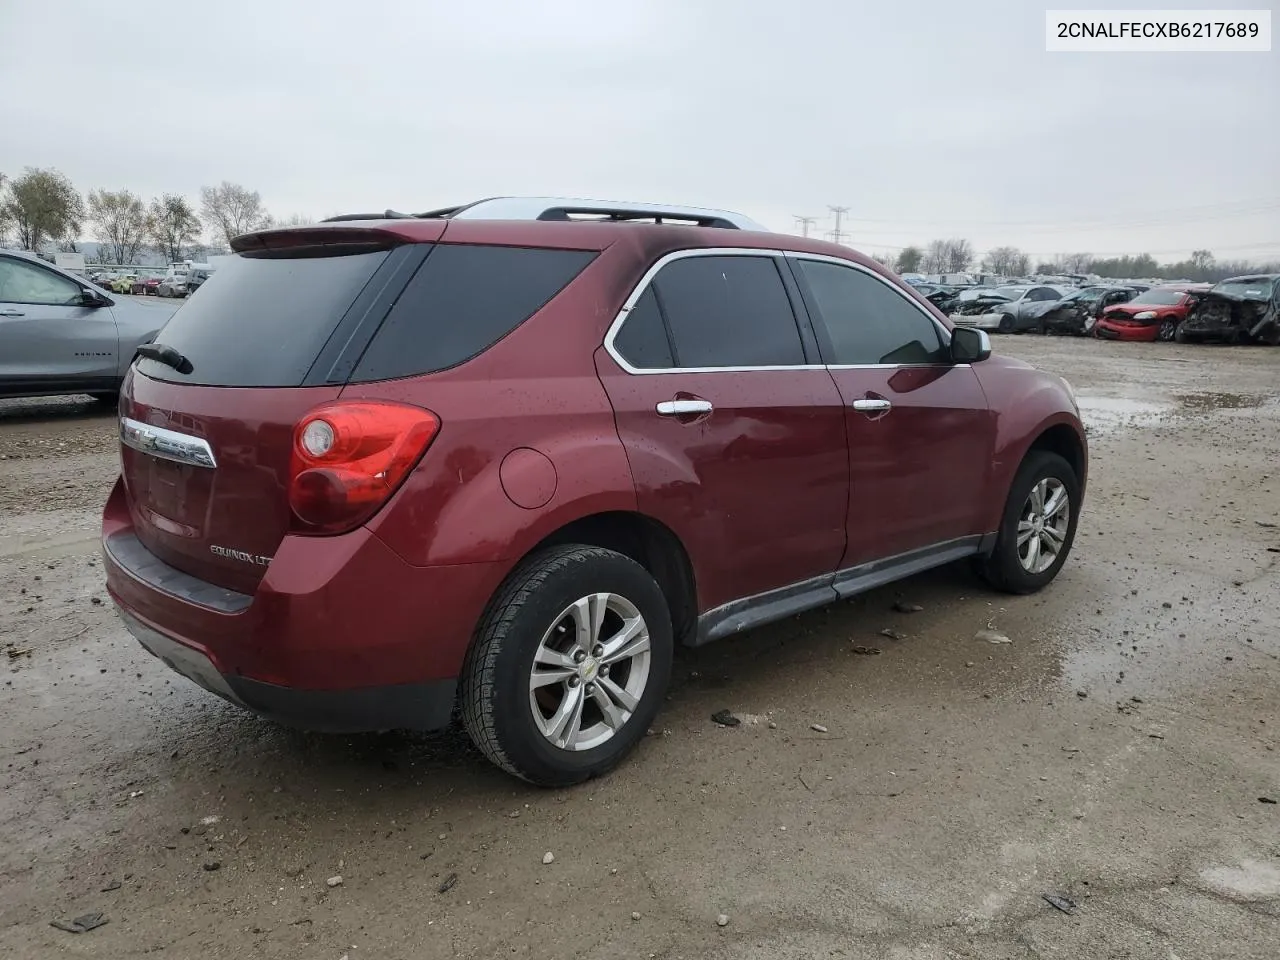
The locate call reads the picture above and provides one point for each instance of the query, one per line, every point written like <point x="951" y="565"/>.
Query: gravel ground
<point x="1116" y="753"/>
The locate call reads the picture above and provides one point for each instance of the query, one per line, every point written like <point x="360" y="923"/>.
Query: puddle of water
<point x="1213" y="402"/>
<point x="1107" y="414"/>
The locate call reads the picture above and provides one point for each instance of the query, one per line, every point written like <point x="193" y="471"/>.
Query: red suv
<point x="500" y="459"/>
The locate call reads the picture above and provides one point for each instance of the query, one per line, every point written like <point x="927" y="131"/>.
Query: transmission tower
<point x="837" y="235"/>
<point x="804" y="223"/>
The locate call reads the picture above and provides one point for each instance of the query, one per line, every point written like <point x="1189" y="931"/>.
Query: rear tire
<point x="550" y="608"/>
<point x="1008" y="568"/>
<point x="1181" y="336"/>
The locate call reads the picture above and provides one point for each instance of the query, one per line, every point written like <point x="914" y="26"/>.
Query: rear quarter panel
<point x="1026" y="403"/>
<point x="536" y="389"/>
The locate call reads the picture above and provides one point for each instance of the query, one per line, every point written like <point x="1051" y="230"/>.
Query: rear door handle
<point x="12" y="313"/>
<point x="684" y="408"/>
<point x="870" y="405"/>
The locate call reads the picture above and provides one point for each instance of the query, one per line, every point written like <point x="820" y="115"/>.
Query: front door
<point x="46" y="335"/>
<point x="921" y="437"/>
<point x="735" y="435"/>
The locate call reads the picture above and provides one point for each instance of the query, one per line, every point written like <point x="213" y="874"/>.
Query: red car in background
<point x="1154" y="315"/>
<point x="145" y="286"/>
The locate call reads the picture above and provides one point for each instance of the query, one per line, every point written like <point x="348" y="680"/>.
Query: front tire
<point x="1006" y="324"/>
<point x="1038" y="526"/>
<point x="568" y="666"/>
<point x="1168" y="331"/>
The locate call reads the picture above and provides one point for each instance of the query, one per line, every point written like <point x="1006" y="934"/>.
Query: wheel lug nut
<point x="579" y="656"/>
<point x="591" y="688"/>
<point x="597" y="651"/>
<point x="574" y="680"/>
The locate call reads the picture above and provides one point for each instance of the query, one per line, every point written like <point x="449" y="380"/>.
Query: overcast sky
<point x="925" y="119"/>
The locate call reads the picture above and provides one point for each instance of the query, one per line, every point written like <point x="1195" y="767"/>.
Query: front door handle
<point x="12" y="313"/>
<point x="872" y="405"/>
<point x="684" y="408"/>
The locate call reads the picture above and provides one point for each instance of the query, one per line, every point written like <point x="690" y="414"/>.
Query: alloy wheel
<point x="1042" y="527"/>
<point x="590" y="671"/>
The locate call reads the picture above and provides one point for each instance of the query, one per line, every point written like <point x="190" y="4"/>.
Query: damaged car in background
<point x="1011" y="309"/>
<point x="1076" y="313"/>
<point x="1154" y="315"/>
<point x="1237" y="310"/>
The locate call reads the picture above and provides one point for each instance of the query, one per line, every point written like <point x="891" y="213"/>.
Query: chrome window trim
<point x="166" y="444"/>
<point x="640" y="288"/>
<point x="643" y="285"/>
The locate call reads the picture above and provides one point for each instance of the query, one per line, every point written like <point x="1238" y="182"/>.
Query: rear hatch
<point x="260" y="341"/>
<point x="208" y="420"/>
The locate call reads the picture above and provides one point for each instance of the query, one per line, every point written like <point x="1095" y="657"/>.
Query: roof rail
<point x="562" y="208"/>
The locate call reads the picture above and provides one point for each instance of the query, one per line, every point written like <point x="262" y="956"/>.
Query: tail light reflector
<point x="350" y="456"/>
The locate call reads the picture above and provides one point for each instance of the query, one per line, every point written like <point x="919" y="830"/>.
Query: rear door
<point x="921" y="437"/>
<point x="46" y="335"/>
<point x="734" y="431"/>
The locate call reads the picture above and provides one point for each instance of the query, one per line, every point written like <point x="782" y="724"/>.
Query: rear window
<point x="463" y="300"/>
<point x="261" y="321"/>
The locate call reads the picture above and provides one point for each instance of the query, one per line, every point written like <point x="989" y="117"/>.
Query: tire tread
<point x="492" y="633"/>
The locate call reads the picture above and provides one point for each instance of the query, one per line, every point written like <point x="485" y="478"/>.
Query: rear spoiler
<point x="323" y="241"/>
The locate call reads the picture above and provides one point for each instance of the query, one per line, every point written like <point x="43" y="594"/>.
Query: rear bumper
<point x="340" y="634"/>
<point x="415" y="706"/>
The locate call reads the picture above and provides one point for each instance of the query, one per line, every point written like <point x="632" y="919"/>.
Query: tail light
<point x="350" y="456"/>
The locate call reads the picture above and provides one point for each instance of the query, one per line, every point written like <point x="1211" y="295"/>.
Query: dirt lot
<point x="1120" y="752"/>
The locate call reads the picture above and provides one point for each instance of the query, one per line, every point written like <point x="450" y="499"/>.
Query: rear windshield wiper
<point x="166" y="355"/>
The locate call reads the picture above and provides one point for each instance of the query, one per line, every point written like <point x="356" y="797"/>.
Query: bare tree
<point x="959" y="255"/>
<point x="935" y="257"/>
<point x="1005" y="261"/>
<point x="174" y="225"/>
<point x="1202" y="259"/>
<point x="909" y="259"/>
<point x="43" y="205"/>
<point x="5" y="220"/>
<point x="293" y="220"/>
<point x="122" y="222"/>
<point x="884" y="259"/>
<point x="1075" y="262"/>
<point x="230" y="210"/>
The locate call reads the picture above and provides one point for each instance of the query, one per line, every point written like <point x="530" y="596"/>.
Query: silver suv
<point x="59" y="334"/>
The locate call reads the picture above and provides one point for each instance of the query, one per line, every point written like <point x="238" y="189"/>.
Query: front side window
<point x="27" y="283"/>
<point x="728" y="311"/>
<point x="867" y="321"/>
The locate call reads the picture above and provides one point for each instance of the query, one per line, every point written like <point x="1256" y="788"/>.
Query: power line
<point x="837" y="235"/>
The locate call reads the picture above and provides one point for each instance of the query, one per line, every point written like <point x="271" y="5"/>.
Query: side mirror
<point x="92" y="298"/>
<point x="969" y="345"/>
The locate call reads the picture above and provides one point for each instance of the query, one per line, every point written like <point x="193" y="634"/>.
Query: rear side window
<point x="261" y="321"/>
<point x="643" y="340"/>
<point x="728" y="312"/>
<point x="462" y="300"/>
<point x="867" y="321"/>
